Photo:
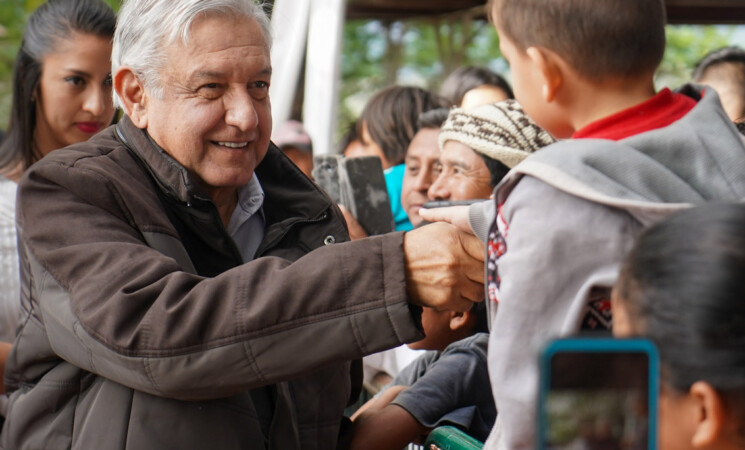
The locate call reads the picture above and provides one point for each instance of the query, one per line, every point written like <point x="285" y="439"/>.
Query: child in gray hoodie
<point x="562" y="220"/>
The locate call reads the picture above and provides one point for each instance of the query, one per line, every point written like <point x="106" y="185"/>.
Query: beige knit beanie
<point x="500" y="131"/>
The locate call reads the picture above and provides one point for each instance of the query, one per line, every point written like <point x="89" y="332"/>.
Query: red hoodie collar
<point x="659" y="111"/>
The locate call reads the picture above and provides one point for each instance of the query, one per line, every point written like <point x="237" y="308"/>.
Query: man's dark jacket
<point x="142" y="329"/>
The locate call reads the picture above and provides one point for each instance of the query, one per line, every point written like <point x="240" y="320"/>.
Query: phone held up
<point x="598" y="393"/>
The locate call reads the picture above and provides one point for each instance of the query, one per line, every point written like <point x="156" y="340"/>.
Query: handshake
<point x="444" y="267"/>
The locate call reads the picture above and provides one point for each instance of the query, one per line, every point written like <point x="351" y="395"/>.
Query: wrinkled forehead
<point x="458" y="154"/>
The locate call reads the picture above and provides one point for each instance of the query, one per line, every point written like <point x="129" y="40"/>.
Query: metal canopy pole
<point x="322" y="72"/>
<point x="289" y="30"/>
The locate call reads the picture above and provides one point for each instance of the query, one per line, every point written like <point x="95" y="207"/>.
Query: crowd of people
<point x="172" y="276"/>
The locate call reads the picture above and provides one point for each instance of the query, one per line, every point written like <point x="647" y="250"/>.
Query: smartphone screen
<point x="599" y="394"/>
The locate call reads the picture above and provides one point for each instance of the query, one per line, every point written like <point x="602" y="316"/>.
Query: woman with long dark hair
<point x="61" y="96"/>
<point x="386" y="127"/>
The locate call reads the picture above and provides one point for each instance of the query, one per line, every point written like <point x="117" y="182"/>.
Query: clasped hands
<point x="444" y="262"/>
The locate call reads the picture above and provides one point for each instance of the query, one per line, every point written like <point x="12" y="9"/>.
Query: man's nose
<point x="240" y="111"/>
<point x="439" y="190"/>
<point x="424" y="180"/>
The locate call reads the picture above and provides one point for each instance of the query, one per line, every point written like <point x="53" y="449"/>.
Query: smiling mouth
<point x="234" y="145"/>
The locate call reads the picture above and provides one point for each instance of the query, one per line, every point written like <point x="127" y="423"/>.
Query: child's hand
<point x="456" y="215"/>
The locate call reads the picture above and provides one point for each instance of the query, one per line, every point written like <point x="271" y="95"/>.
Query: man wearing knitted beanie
<point x="449" y="384"/>
<point x="479" y="146"/>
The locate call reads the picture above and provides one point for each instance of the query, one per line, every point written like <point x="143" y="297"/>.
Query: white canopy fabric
<point x="313" y="29"/>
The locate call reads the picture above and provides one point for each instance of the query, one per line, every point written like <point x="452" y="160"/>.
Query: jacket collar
<point x="171" y="177"/>
<point x="290" y="195"/>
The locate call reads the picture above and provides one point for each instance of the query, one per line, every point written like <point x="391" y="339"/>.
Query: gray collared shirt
<point x="246" y="225"/>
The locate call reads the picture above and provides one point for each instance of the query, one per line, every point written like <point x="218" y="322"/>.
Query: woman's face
<point x="73" y="101"/>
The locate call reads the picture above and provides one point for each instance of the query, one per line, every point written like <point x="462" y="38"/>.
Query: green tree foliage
<point x="419" y="52"/>
<point x="424" y="52"/>
<point x="13" y="16"/>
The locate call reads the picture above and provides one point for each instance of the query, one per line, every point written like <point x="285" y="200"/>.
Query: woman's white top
<point x="10" y="286"/>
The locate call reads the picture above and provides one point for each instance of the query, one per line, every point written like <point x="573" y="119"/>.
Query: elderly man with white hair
<point x="184" y="285"/>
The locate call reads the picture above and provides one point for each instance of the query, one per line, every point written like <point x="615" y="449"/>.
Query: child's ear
<point x="458" y="320"/>
<point x="712" y="415"/>
<point x="550" y="70"/>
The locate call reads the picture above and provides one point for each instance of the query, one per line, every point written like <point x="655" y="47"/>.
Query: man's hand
<point x="444" y="267"/>
<point x="456" y="215"/>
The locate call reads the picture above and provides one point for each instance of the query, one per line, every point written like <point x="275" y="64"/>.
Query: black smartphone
<point x="359" y="184"/>
<point x="446" y="203"/>
<point x="598" y="393"/>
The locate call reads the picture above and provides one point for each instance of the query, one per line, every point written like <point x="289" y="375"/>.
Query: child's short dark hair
<point x="682" y="287"/>
<point x="600" y="39"/>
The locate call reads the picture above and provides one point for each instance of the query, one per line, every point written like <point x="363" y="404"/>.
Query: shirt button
<point x="329" y="240"/>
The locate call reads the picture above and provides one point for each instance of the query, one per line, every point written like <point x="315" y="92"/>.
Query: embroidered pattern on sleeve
<point x="496" y="247"/>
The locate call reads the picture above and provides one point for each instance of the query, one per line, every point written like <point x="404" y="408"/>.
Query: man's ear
<point x="132" y="93"/>
<point x="712" y="414"/>
<point x="550" y="70"/>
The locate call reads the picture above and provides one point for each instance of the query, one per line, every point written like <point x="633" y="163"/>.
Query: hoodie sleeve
<point x="480" y="217"/>
<point x="560" y="251"/>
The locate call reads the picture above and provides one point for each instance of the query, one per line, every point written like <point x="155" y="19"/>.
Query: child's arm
<point x="452" y="387"/>
<point x="475" y="218"/>
<point x="380" y="425"/>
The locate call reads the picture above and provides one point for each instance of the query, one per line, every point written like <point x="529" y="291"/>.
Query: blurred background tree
<point x="418" y="52"/>
<point x="425" y="52"/>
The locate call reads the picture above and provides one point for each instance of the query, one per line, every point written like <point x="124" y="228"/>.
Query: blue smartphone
<point x="598" y="393"/>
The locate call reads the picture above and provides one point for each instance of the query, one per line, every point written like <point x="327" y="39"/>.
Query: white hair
<point x="146" y="27"/>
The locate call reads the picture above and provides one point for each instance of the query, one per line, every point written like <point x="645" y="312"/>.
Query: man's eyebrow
<point x="211" y="74"/>
<point x="461" y="164"/>
<point x="202" y="74"/>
